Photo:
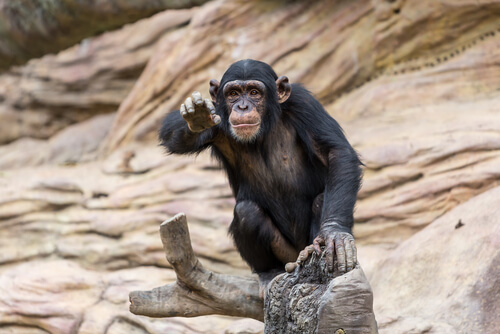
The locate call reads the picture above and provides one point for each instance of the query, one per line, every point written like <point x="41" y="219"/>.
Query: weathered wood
<point x="309" y="300"/>
<point x="197" y="291"/>
<point x="312" y="300"/>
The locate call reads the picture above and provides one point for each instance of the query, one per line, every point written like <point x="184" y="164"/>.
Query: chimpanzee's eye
<point x="233" y="93"/>
<point x="254" y="92"/>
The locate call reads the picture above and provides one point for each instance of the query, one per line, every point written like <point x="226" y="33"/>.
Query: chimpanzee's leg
<point x="259" y="242"/>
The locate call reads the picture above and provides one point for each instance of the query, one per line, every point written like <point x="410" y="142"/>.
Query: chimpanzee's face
<point x="246" y="105"/>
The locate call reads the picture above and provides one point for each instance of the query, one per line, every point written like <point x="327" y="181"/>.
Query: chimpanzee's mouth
<point x="244" y="125"/>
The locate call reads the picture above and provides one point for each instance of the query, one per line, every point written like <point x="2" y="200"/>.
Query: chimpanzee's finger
<point x="216" y="119"/>
<point x="317" y="243"/>
<point x="189" y="105"/>
<point x="354" y="252"/>
<point x="329" y="251"/>
<point x="210" y="106"/>
<point x="197" y="99"/>
<point x="290" y="266"/>
<point x="340" y="251"/>
<point x="183" y="110"/>
<point x="349" y="252"/>
<point x="302" y="256"/>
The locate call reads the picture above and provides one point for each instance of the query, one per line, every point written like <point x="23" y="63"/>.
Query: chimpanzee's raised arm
<point x="190" y="129"/>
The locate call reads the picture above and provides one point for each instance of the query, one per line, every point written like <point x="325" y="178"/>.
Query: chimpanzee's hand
<point x="340" y="243"/>
<point x="199" y="113"/>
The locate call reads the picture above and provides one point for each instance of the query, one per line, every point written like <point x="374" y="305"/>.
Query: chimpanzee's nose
<point x="243" y="106"/>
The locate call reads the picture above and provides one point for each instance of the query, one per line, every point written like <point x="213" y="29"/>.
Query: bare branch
<point x="197" y="291"/>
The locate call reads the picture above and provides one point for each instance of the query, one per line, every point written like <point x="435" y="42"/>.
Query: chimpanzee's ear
<point x="214" y="88"/>
<point x="284" y="89"/>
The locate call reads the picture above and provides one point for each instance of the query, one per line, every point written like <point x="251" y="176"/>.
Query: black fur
<point x="301" y="154"/>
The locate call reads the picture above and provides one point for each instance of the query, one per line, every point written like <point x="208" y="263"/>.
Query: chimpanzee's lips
<point x="244" y="125"/>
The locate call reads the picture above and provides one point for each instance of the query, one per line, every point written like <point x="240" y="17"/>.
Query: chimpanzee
<point x="292" y="171"/>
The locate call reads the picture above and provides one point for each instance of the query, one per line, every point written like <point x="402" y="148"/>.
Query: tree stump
<point x="309" y="300"/>
<point x="312" y="300"/>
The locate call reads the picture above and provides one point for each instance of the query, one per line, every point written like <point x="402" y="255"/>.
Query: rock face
<point x="84" y="187"/>
<point x="91" y="78"/>
<point x="33" y="28"/>
<point x="451" y="272"/>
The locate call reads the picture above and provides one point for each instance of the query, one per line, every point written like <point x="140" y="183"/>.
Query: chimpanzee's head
<point x="248" y="99"/>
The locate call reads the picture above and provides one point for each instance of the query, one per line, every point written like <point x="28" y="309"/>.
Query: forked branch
<point x="197" y="291"/>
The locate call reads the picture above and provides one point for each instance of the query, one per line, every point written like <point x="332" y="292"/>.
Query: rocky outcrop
<point x="34" y="28"/>
<point x="415" y="85"/>
<point x="91" y="78"/>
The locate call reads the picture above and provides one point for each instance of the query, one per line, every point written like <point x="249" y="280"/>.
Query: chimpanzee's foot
<point x="303" y="255"/>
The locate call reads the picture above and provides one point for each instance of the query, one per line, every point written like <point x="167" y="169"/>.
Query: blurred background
<point x="84" y="186"/>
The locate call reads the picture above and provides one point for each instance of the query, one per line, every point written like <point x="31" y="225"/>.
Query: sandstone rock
<point x="34" y="28"/>
<point x="76" y="143"/>
<point x="445" y="279"/>
<point x="61" y="297"/>
<point x="245" y="326"/>
<point x="93" y="77"/>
